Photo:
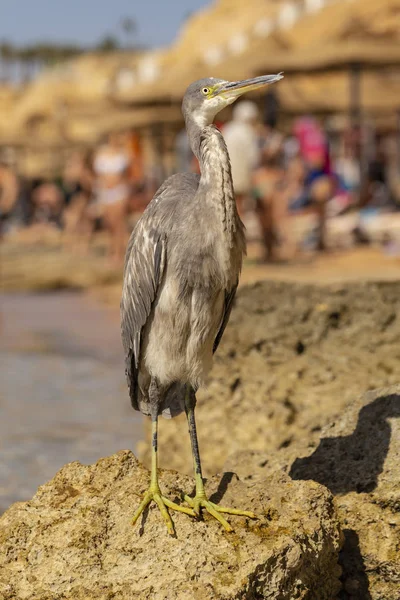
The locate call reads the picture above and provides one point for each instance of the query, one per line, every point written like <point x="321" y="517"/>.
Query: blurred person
<point x="313" y="148"/>
<point x="241" y="140"/>
<point x="135" y="155"/>
<point x="270" y="143"/>
<point x="302" y="197"/>
<point x="140" y="196"/>
<point x="267" y="188"/>
<point x="141" y="186"/>
<point x="271" y="108"/>
<point x="295" y="190"/>
<point x="77" y="183"/>
<point x="347" y="172"/>
<point x="48" y="202"/>
<point x="14" y="199"/>
<point x="393" y="171"/>
<point x="321" y="191"/>
<point x="77" y="176"/>
<point x="376" y="193"/>
<point x="291" y="149"/>
<point x="111" y="166"/>
<point x="347" y="167"/>
<point x="319" y="179"/>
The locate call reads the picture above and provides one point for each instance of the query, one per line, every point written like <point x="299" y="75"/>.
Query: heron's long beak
<point x="234" y="89"/>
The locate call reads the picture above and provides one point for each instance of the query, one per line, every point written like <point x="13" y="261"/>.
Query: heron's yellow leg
<point x="200" y="500"/>
<point x="154" y="492"/>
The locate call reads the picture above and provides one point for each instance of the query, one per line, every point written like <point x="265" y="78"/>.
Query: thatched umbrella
<point x="340" y="38"/>
<point x="207" y="39"/>
<point x="43" y="115"/>
<point x="232" y="41"/>
<point x="83" y="83"/>
<point x="8" y="97"/>
<point x="344" y="57"/>
<point x="81" y="129"/>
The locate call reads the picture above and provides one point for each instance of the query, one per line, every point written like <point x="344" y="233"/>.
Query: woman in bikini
<point x="111" y="167"/>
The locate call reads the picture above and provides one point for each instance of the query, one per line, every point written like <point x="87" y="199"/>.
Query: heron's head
<point x="205" y="98"/>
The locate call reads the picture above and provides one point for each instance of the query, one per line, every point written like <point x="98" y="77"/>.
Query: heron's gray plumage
<point x="181" y="273"/>
<point x="143" y="275"/>
<point x="186" y="239"/>
<point x="182" y="267"/>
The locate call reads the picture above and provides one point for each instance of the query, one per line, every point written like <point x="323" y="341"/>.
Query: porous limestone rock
<point x="74" y="540"/>
<point x="358" y="459"/>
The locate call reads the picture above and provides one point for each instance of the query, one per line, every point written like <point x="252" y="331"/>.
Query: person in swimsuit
<point x="77" y="185"/>
<point x="240" y="136"/>
<point x="111" y="166"/>
<point x="267" y="191"/>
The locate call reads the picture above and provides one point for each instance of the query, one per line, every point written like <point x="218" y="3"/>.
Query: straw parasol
<point x="206" y="39"/>
<point x="358" y="31"/>
<point x="342" y="38"/>
<point x="81" y="129"/>
<point x="83" y="83"/>
<point x="8" y="97"/>
<point x="233" y="40"/>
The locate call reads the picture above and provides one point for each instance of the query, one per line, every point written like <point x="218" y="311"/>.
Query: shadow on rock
<point x="222" y="487"/>
<point x="354" y="578"/>
<point x="353" y="462"/>
<point x="353" y="458"/>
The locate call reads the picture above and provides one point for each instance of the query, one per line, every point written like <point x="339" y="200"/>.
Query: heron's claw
<point x="162" y="503"/>
<point x="199" y="502"/>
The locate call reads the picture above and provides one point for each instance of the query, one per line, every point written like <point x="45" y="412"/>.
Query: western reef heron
<point x="182" y="268"/>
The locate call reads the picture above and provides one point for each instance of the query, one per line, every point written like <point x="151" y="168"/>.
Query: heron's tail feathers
<point x="172" y="405"/>
<point x="174" y="400"/>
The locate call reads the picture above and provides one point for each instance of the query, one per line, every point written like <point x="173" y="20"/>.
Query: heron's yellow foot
<point x="154" y="493"/>
<point x="199" y="502"/>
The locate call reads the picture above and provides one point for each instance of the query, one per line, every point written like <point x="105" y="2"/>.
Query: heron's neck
<point x="216" y="178"/>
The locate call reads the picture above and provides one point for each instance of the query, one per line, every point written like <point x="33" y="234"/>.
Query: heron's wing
<point x="229" y="297"/>
<point x="145" y="262"/>
<point x="144" y="267"/>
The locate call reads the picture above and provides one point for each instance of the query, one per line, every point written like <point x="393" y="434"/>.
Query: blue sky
<point x="87" y="21"/>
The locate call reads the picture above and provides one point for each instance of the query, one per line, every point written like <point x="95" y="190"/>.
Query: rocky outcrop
<point x="280" y="403"/>
<point x="358" y="459"/>
<point x="291" y="359"/>
<point x="74" y="541"/>
<point x="29" y="266"/>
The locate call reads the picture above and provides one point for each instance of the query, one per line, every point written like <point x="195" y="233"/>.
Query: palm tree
<point x="26" y="59"/>
<point x="129" y="27"/>
<point x="7" y="54"/>
<point x="109" y="43"/>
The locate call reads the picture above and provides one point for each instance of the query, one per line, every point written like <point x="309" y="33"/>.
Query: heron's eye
<point x="205" y="91"/>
